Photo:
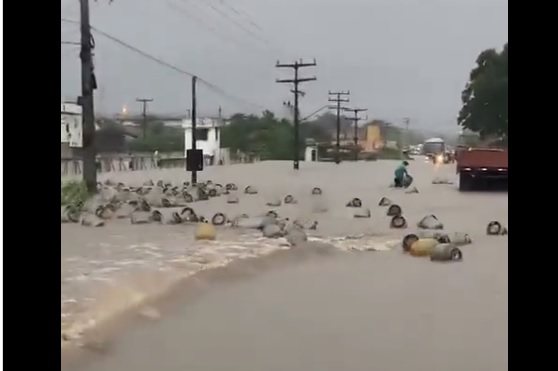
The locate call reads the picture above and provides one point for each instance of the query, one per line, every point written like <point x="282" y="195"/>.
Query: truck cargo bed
<point x="481" y="167"/>
<point x="482" y="158"/>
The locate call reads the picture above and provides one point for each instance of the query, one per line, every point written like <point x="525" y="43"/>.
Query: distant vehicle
<point x="477" y="166"/>
<point x="415" y="150"/>
<point x="435" y="150"/>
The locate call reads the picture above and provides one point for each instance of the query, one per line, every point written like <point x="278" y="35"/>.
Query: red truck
<point x="479" y="166"/>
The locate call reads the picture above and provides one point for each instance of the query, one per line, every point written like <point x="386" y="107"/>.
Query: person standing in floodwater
<point x="156" y="159"/>
<point x="131" y="163"/>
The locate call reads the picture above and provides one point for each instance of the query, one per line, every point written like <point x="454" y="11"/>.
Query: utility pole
<point x="88" y="84"/>
<point x="194" y="179"/>
<point x="296" y="80"/>
<point x="338" y="100"/>
<point x="356" y="119"/>
<point x="407" y="121"/>
<point x="144" y="102"/>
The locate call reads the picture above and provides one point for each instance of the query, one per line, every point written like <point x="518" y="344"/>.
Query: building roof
<point x="69" y="108"/>
<point x="203" y="123"/>
<point x="130" y="131"/>
<point x="434" y="140"/>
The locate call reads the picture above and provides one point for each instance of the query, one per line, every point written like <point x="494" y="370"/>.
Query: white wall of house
<point x="64" y="131"/>
<point x="208" y="136"/>
<point x="71" y="125"/>
<point x="311" y="153"/>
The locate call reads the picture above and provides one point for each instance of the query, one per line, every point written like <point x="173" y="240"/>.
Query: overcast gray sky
<point x="399" y="58"/>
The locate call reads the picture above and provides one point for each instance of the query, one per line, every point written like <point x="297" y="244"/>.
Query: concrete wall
<point x="115" y="163"/>
<point x="65" y="151"/>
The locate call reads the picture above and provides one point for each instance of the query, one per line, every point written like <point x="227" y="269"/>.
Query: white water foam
<point x="99" y="289"/>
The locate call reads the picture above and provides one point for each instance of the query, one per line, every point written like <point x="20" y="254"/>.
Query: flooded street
<point x="344" y="309"/>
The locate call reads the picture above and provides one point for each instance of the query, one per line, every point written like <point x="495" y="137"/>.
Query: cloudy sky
<point x="399" y="58"/>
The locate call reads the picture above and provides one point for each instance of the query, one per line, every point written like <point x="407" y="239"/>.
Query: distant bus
<point x="433" y="147"/>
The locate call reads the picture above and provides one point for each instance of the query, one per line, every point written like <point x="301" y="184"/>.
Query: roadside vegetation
<point x="485" y="97"/>
<point x="268" y="137"/>
<point x="74" y="194"/>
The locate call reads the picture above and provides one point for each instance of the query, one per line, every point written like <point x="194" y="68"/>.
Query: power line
<point x="142" y="53"/>
<point x="219" y="90"/>
<point x="241" y="22"/>
<point x="235" y="22"/>
<point x="69" y="20"/>
<point x="204" y="24"/>
<point x="196" y="19"/>
<point x="241" y="13"/>
<point x="315" y="112"/>
<point x="161" y="62"/>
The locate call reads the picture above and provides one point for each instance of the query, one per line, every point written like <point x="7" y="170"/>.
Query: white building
<point x="71" y="125"/>
<point x="208" y="137"/>
<point x="311" y="153"/>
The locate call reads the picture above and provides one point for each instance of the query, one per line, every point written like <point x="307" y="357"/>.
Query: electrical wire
<point x="208" y="27"/>
<point x="161" y="62"/>
<point x="241" y="14"/>
<point x="69" y="20"/>
<point x="234" y="21"/>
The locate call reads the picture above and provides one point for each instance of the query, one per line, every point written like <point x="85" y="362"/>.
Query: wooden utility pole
<point x="194" y="179"/>
<point x="88" y="84"/>
<point x="296" y="80"/>
<point x="407" y="121"/>
<point x="144" y="102"/>
<point x="356" y="119"/>
<point x="338" y="100"/>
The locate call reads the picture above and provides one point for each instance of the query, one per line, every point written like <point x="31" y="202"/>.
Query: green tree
<point x="266" y="136"/>
<point x="485" y="97"/>
<point x="327" y="123"/>
<point x="110" y="137"/>
<point x="160" y="138"/>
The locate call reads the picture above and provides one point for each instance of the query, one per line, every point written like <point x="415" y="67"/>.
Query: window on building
<point x="216" y="133"/>
<point x="201" y="134"/>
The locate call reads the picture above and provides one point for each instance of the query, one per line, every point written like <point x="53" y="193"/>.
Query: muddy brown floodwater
<point x="318" y="309"/>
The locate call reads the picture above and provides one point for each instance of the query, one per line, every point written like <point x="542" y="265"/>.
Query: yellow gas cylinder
<point x="423" y="247"/>
<point x="205" y="231"/>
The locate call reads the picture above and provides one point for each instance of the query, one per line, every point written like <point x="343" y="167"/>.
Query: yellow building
<point x="373" y="140"/>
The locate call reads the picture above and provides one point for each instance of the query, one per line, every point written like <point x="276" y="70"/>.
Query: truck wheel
<point x="465" y="182"/>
